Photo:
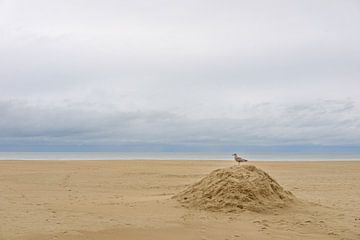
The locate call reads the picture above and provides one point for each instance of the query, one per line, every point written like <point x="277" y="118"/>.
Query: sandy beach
<point x="108" y="200"/>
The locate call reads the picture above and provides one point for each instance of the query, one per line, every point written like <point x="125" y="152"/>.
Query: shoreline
<point x="185" y="160"/>
<point x="223" y="156"/>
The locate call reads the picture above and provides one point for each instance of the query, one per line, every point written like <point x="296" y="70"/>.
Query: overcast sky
<point x="193" y="75"/>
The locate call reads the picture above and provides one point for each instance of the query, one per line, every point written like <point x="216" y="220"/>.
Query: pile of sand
<point x="234" y="189"/>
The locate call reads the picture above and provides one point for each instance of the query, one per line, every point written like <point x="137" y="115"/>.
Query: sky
<point x="136" y="75"/>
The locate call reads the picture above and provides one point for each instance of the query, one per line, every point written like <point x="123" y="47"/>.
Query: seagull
<point x="239" y="159"/>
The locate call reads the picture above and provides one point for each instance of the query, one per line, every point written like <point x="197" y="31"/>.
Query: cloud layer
<point x="318" y="123"/>
<point x="208" y="74"/>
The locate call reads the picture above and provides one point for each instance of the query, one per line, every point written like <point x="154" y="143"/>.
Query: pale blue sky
<point x="125" y="75"/>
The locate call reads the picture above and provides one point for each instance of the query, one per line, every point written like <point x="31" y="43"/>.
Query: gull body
<point x="239" y="159"/>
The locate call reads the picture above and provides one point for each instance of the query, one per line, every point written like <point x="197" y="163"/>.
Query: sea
<point x="252" y="156"/>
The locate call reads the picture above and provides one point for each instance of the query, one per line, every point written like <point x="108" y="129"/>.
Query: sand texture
<point x="236" y="189"/>
<point x="138" y="200"/>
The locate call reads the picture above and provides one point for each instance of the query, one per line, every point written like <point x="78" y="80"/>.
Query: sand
<point x="111" y="200"/>
<point x="237" y="189"/>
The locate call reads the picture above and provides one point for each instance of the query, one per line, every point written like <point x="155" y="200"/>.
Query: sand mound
<point x="234" y="189"/>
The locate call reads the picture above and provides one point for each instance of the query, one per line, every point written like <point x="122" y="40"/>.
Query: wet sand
<point x="111" y="200"/>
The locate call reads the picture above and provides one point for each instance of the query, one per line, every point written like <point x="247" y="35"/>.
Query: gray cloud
<point x="323" y="122"/>
<point x="180" y="72"/>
